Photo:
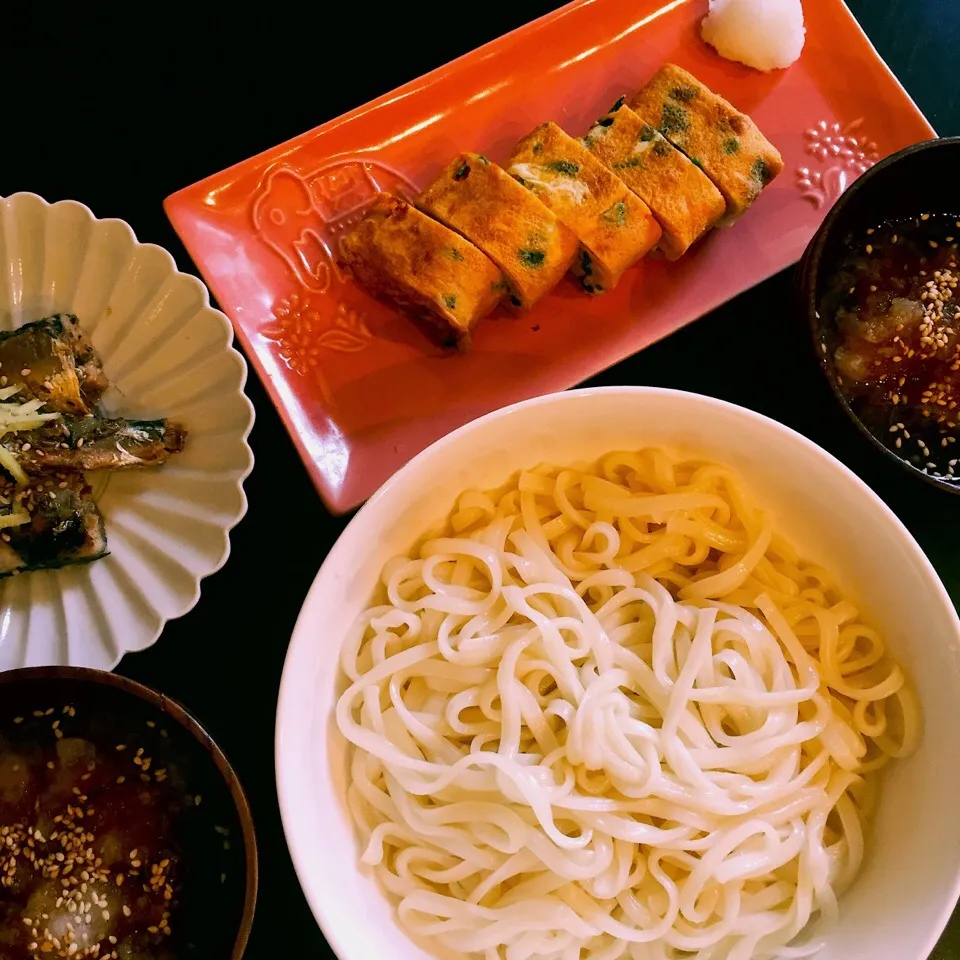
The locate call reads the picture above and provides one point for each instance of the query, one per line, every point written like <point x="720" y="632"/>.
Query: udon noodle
<point x="609" y="713"/>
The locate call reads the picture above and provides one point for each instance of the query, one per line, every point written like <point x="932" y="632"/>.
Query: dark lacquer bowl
<point x="920" y="178"/>
<point x="164" y="809"/>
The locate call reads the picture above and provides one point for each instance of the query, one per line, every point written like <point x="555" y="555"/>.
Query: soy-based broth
<point x="894" y="302"/>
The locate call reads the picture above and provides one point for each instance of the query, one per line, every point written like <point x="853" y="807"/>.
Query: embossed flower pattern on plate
<point x="843" y="152"/>
<point x="302" y="330"/>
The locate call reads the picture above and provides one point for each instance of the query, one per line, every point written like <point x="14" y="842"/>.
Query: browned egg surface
<point x="895" y="301"/>
<point x="88" y="867"/>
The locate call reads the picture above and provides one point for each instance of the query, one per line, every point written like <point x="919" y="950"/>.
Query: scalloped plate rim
<point x="243" y="371"/>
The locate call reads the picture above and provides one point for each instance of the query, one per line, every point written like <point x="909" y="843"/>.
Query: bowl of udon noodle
<point x="624" y="673"/>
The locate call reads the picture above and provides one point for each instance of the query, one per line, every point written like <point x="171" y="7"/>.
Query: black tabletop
<point x="119" y="127"/>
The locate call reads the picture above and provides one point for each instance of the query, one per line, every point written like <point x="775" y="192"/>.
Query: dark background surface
<point x="131" y="122"/>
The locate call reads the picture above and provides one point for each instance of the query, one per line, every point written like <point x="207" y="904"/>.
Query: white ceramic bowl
<point x="167" y="353"/>
<point x="909" y="884"/>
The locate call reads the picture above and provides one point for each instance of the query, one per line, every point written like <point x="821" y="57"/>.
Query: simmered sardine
<point x="95" y="443"/>
<point x="51" y="381"/>
<point x="63" y="527"/>
<point x="51" y="360"/>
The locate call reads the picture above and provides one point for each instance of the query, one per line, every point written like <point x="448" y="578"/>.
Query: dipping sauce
<point x="896" y="307"/>
<point x="88" y="864"/>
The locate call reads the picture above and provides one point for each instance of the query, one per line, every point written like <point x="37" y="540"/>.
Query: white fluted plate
<point x="167" y="353"/>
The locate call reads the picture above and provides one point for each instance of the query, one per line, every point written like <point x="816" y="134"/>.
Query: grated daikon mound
<point x="765" y="34"/>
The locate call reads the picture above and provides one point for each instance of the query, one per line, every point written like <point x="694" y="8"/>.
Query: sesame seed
<point x="68" y="857"/>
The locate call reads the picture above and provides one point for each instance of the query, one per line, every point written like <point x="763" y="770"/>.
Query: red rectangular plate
<point x="360" y="388"/>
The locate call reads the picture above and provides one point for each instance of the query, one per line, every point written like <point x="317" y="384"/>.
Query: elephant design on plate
<point x="301" y="216"/>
